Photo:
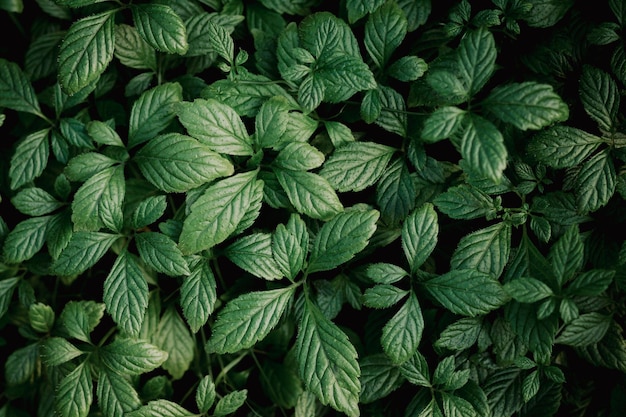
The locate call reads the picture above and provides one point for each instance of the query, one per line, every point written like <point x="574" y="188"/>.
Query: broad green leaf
<point x="396" y="192"/>
<point x="30" y="158"/>
<point x="407" y="68"/>
<point x="311" y="93"/>
<point x="161" y="253"/>
<point x="41" y="317"/>
<point x="476" y="57"/>
<point x="415" y="370"/>
<point x="486" y="250"/>
<point x="526" y="105"/>
<point x="216" y="214"/>
<point x="198" y="295"/>
<point x="537" y="334"/>
<point x="465" y="202"/>
<point x="116" y="395"/>
<point x="590" y="283"/>
<point x="442" y="123"/>
<point x="339" y="133"/>
<point x="327" y="361"/>
<point x="86" y="51"/>
<point x="176" y="163"/>
<point x="385" y="273"/>
<point x="379" y="378"/>
<point x="126" y="293"/>
<point x="419" y="235"/>
<point x="16" y="91"/>
<point x="132" y="50"/>
<point x="482" y="145"/>
<point x="174" y="338"/>
<point x="205" y="394"/>
<point x="216" y="125"/>
<point x="585" y="330"/>
<point x="460" y="335"/>
<point x="230" y="403"/>
<point x="467" y="292"/>
<point x="596" y="182"/>
<point x="527" y="290"/>
<point x="253" y="253"/>
<point x="82" y="252"/>
<point x="149" y="211"/>
<point x="402" y="334"/>
<point x="563" y="146"/>
<point x="26" y="239"/>
<point x="84" y="166"/>
<point x="609" y="352"/>
<point x="79" y="318"/>
<point x="504" y="391"/>
<point x="131" y="357"/>
<point x="21" y="364"/>
<point x="384" y="32"/>
<point x="309" y="193"/>
<point x="290" y="245"/>
<point x="271" y="121"/>
<point x="454" y="405"/>
<point x="247" y="319"/>
<point x="546" y="13"/>
<point x="299" y="156"/>
<point x="7" y="287"/>
<point x="57" y="350"/>
<point x="356" y="165"/>
<point x="220" y="41"/>
<point x="530" y="385"/>
<point x="104" y="133"/>
<point x="371" y="106"/>
<point x="98" y="202"/>
<point x="383" y="296"/>
<point x="161" y="27"/>
<point x="324" y="34"/>
<point x="416" y="11"/>
<point x="566" y="255"/>
<point x="341" y="76"/>
<point x="207" y="34"/>
<point x="341" y="238"/>
<point x="152" y="112"/>
<point x="74" y="394"/>
<point x="161" y="408"/>
<point x="393" y="115"/>
<point x="59" y="233"/>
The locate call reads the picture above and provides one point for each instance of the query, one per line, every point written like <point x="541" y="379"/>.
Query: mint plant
<point x="274" y="208"/>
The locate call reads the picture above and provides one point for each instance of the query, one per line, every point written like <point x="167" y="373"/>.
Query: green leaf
<point x="385" y="30"/>
<point x="385" y="273"/>
<point x="460" y="335"/>
<point x="359" y="8"/>
<point x="230" y="403"/>
<point x="216" y="214"/>
<point x="393" y="115"/>
<point x="467" y="292"/>
<point x="482" y="145"/>
<point x="324" y="34"/>
<point x="220" y="41"/>
<point x="131" y="357"/>
<point x="416" y="11"/>
<point x="596" y="182"/>
<point x="216" y="125"/>
<point x="407" y="68"/>
<point x="174" y="338"/>
<point x="537" y="334"/>
<point x="208" y="33"/>
<point x="442" y="123"/>
<point x="126" y="293"/>
<point x="290" y="244"/>
<point x="396" y="192"/>
<point x="161" y="408"/>
<point x="247" y="319"/>
<point x="30" y="158"/>
<point x="608" y="352"/>
<point x="98" y="202"/>
<point x="282" y="385"/>
<point x="116" y="395"/>
<point x="530" y="385"/>
<point x="526" y="105"/>
<point x="16" y="91"/>
<point x="198" y="295"/>
<point x="205" y="394"/>
<point x="299" y="156"/>
<point x="149" y="211"/>
<point x="271" y="121"/>
<point x="7" y="286"/>
<point x="585" y="330"/>
<point x="454" y="405"/>
<point x="379" y="378"/>
<point x="356" y="165"/>
<point x="84" y="166"/>
<point x="600" y="97"/>
<point x="341" y="238"/>
<point x="504" y="391"/>
<point x="591" y="283"/>
<point x="75" y="393"/>
<point x="161" y="27"/>
<point x="104" y="133"/>
<point x="327" y="361"/>
<point x="57" y="350"/>
<point x="82" y="252"/>
<point x="41" y="317"/>
<point x="486" y="250"/>
<point x="132" y="50"/>
<point x="309" y="193"/>
<point x="403" y="332"/>
<point x="563" y="146"/>
<point x="152" y="112"/>
<point x="476" y="57"/>
<point x="26" y="239"/>
<point x="383" y="296"/>
<point x="419" y="235"/>
<point x="546" y="13"/>
<point x="79" y="318"/>
<point x="161" y="253"/>
<point x="567" y="255"/>
<point x="465" y="202"/>
<point x="253" y="253"/>
<point x="415" y="370"/>
<point x="86" y="51"/>
<point x="527" y="290"/>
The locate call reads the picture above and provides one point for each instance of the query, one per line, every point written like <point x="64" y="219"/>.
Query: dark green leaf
<point x="16" y="91"/>
<point x="98" y="202"/>
<point x="585" y="330"/>
<point x="419" y="235"/>
<point x="563" y="146"/>
<point x="486" y="250"/>
<point x="198" y="295"/>
<point x="600" y="97"/>
<point x="75" y="393"/>
<point x="173" y="338"/>
<point x="152" y="112"/>
<point x="379" y="378"/>
<point x="403" y="332"/>
<point x="161" y="253"/>
<point x="384" y="32"/>
<point x="82" y="252"/>
<point x="131" y="357"/>
<point x="30" y="158"/>
<point x="161" y="27"/>
<point x="132" y="50"/>
<point x="460" y="335"/>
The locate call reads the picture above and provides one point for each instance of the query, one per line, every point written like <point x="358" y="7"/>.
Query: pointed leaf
<point x="290" y="245"/>
<point x="384" y="32"/>
<point x="205" y="394"/>
<point x="476" y="57"/>
<point x="596" y="182"/>
<point x="230" y="403"/>
<point x="482" y="145"/>
<point x="132" y="50"/>
<point x="161" y="27"/>
<point x="82" y="252"/>
<point x="198" y="296"/>
<point x="116" y="395"/>
<point x="161" y="253"/>
<point x="299" y="156"/>
<point x="75" y="393"/>
<point x="26" y="239"/>
<point x="16" y="91"/>
<point x="567" y="255"/>
<point x="419" y="235"/>
<point x="131" y="357"/>
<point x="465" y="202"/>
<point x="527" y="290"/>
<point x="442" y="123"/>
<point x="486" y="250"/>
<point x="585" y="330"/>
<point x="460" y="335"/>
<point x="379" y="377"/>
<point x="152" y="112"/>
<point x="161" y="408"/>
<point x="253" y="253"/>
<point x="57" y="350"/>
<point x="173" y="337"/>
<point x="402" y="334"/>
<point x="600" y="97"/>
<point x="30" y="158"/>
<point x="563" y="146"/>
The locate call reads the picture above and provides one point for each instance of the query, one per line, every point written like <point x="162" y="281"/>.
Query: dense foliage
<point x="304" y="208"/>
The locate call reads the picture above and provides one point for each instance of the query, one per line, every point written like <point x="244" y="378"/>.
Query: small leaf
<point x="205" y="394"/>
<point x="82" y="252"/>
<point x="384" y="32"/>
<point x="486" y="250"/>
<point x="26" y="239"/>
<point x="476" y="56"/>
<point x="408" y="68"/>
<point x="16" y="91"/>
<point x="383" y="296"/>
<point x="161" y="408"/>
<point x="403" y="332"/>
<point x="149" y="211"/>
<point x="379" y="377"/>
<point x="396" y="192"/>
<point x="30" y="158"/>
<point x="415" y="370"/>
<point x="132" y="50"/>
<point x="161" y="27"/>
<point x="116" y="395"/>
<point x="198" y="295"/>
<point x="230" y="403"/>
<point x="596" y="182"/>
<point x="419" y="235"/>
<point x="131" y="357"/>
<point x="104" y="134"/>
<point x="567" y="255"/>
<point x="442" y="124"/>
<point x="527" y="290"/>
<point x="75" y="393"/>
<point x="530" y="385"/>
<point x="482" y="145"/>
<point x="173" y="338"/>
<point x="465" y="202"/>
<point x="299" y="156"/>
<point x="253" y="253"/>
<point x="41" y="317"/>
<point x="290" y="245"/>
<point x="79" y="318"/>
<point x="152" y="112"/>
<point x="591" y="283"/>
<point x="98" y="202"/>
<point x="385" y="273"/>
<point x="460" y="335"/>
<point x="161" y="253"/>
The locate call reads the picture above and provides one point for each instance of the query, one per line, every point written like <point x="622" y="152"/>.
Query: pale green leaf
<point x="371" y="106"/>
<point x="460" y="335"/>
<point x="526" y="105"/>
<point x="216" y="214"/>
<point x="253" y="253"/>
<point x="393" y="115"/>
<point x="465" y="202"/>
<point x="16" y="91"/>
<point x="402" y="334"/>
<point x="527" y="290"/>
<point x="379" y="378"/>
<point x="126" y="293"/>
<point x="271" y="121"/>
<point x="116" y="395"/>
<point x="131" y="356"/>
<point x="247" y="319"/>
<point x="86" y="51"/>
<point x="198" y="295"/>
<point x="341" y="238"/>
<point x="385" y="30"/>
<point x="208" y="33"/>
<point x="299" y="156"/>
<point x="174" y="338"/>
<point x="216" y="125"/>
<point x="311" y="93"/>
<point x="442" y="123"/>
<point x="161" y="408"/>
<point x="30" y="158"/>
<point x="205" y="394"/>
<point x="26" y="239"/>
<point x="486" y="250"/>
<point x="82" y="252"/>
<point x="41" y="317"/>
<point x="290" y="244"/>
<point x="339" y="133"/>
<point x="161" y="253"/>
<point x="327" y="361"/>
<point x="467" y="292"/>
<point x="57" y="350"/>
<point x="149" y="211"/>
<point x="596" y="182"/>
<point x="132" y="50"/>
<point x="356" y="165"/>
<point x="230" y="403"/>
<point x="309" y="193"/>
<point x="74" y="394"/>
<point x="152" y="112"/>
<point x="396" y="192"/>
<point x="85" y="165"/>
<point x="482" y="145"/>
<point x="385" y="273"/>
<point x="103" y="133"/>
<point x="383" y="296"/>
<point x="585" y="330"/>
<point x="220" y="41"/>
<point x="419" y="235"/>
<point x="563" y="146"/>
<point x="408" y="68"/>
<point x="21" y="364"/>
<point x="161" y="27"/>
